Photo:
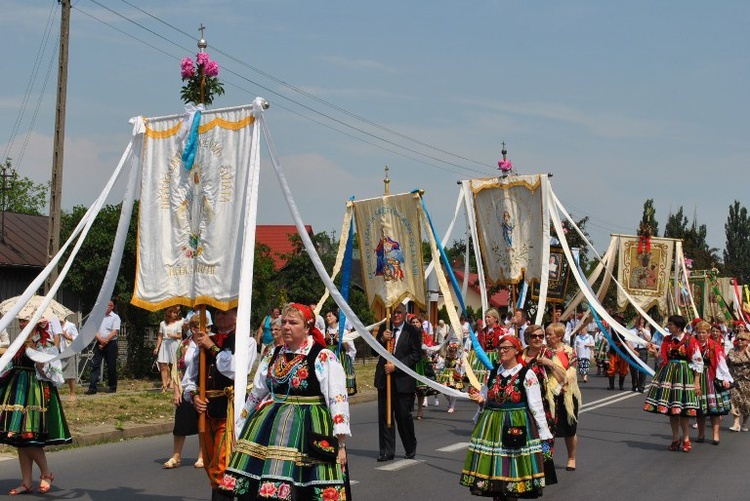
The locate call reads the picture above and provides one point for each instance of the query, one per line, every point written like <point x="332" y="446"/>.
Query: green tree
<point x="21" y="194"/>
<point x="737" y="248"/>
<point x="648" y="219"/>
<point x="694" y="242"/>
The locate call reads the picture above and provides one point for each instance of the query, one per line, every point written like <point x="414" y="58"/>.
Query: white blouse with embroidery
<point x="330" y="375"/>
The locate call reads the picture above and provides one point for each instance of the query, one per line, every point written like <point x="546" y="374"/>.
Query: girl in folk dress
<point x="676" y="385"/>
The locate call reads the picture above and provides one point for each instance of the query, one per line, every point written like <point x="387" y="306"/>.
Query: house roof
<point x="276" y="237"/>
<point x="499" y="299"/>
<point x="24" y="240"/>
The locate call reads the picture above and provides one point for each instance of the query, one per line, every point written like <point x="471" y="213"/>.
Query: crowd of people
<point x="290" y="441"/>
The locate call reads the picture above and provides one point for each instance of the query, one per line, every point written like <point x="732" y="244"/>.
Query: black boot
<point x="611" y="383"/>
<point x="622" y="382"/>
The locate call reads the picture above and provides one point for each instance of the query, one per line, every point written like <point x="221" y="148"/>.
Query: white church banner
<point x="511" y="219"/>
<point x="190" y="221"/>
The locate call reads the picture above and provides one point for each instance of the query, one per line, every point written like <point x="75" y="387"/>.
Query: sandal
<point x="674" y="446"/>
<point x="43" y="489"/>
<point x="199" y="463"/>
<point x="686" y="446"/>
<point x="21" y="489"/>
<point x="172" y="463"/>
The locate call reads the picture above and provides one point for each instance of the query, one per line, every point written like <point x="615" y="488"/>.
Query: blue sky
<point x="621" y="101"/>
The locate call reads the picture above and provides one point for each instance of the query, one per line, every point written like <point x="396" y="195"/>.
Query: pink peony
<point x="187" y="68"/>
<point x="505" y="165"/>
<point x="211" y="68"/>
<point x="202" y="58"/>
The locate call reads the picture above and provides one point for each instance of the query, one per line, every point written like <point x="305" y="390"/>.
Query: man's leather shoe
<point x="90" y="391"/>
<point x="111" y="390"/>
<point x="385" y="457"/>
<point x="410" y="455"/>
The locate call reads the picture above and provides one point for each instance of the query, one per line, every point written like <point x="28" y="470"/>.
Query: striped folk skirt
<point x="712" y="402"/>
<point x="493" y="470"/>
<point x="351" y="377"/>
<point x="271" y="459"/>
<point x="672" y="391"/>
<point x="31" y="414"/>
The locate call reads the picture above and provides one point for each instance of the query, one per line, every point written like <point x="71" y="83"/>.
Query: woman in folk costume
<point x="451" y="374"/>
<point x="715" y="383"/>
<point x="676" y="385"/>
<point x="505" y="455"/>
<point x="295" y="421"/>
<point x="333" y="331"/>
<point x="424" y="367"/>
<point x="487" y="337"/>
<point x="538" y="358"/>
<point x="31" y="414"/>
<point x="563" y="394"/>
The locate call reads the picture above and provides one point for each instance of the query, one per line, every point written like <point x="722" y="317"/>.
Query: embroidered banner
<point x="510" y="219"/>
<point x="645" y="276"/>
<point x="191" y="221"/>
<point x="390" y="246"/>
<point x="559" y="272"/>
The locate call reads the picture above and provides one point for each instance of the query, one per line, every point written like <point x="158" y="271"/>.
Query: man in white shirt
<point x="106" y="349"/>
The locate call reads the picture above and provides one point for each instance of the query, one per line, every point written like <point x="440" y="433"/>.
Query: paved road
<point x="622" y="455"/>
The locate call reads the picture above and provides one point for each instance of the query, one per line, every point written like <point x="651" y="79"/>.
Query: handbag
<point x="719" y="385"/>
<point x="514" y="437"/>
<point x="322" y="447"/>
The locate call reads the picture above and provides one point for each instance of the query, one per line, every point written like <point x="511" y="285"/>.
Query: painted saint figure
<point x="390" y="258"/>
<point x="508" y="227"/>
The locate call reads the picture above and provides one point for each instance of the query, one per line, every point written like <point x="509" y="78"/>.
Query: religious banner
<point x="699" y="290"/>
<point x="510" y="220"/>
<point x="390" y="246"/>
<point x="190" y="219"/>
<point x="559" y="272"/>
<point x="645" y="273"/>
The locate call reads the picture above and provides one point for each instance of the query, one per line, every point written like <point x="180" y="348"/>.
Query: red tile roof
<point x="276" y="237"/>
<point x="497" y="300"/>
<point x="25" y="240"/>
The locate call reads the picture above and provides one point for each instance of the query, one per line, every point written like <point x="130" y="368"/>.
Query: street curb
<point x="130" y="431"/>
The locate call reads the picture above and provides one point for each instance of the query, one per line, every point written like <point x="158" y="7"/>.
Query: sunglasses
<point x="506" y="348"/>
<point x="536" y="336"/>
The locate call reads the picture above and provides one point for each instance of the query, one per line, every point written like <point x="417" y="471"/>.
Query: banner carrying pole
<point x="389" y="346"/>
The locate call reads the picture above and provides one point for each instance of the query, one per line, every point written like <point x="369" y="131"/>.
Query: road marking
<point x="400" y="465"/>
<point x="607" y="401"/>
<point x="454" y="447"/>
<point x="353" y="482"/>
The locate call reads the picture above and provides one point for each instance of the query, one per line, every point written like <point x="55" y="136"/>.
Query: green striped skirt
<point x="493" y="470"/>
<point x="712" y="402"/>
<point x="672" y="391"/>
<point x="271" y="456"/>
<point x="31" y="414"/>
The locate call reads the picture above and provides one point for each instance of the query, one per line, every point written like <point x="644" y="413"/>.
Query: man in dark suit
<point x="408" y="350"/>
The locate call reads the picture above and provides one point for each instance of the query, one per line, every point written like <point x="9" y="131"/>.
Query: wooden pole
<point x="55" y="193"/>
<point x="389" y="346"/>
<point x="202" y="377"/>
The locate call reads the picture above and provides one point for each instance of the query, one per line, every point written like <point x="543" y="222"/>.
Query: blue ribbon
<point x="346" y="275"/>
<point x="481" y="355"/>
<point x="191" y="146"/>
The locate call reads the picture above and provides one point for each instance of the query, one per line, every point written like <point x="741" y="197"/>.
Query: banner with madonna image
<point x="511" y="217"/>
<point x="390" y="246"/>
<point x="190" y="218"/>
<point x="645" y="274"/>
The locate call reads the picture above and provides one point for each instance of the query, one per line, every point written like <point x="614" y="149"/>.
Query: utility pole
<point x="55" y="197"/>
